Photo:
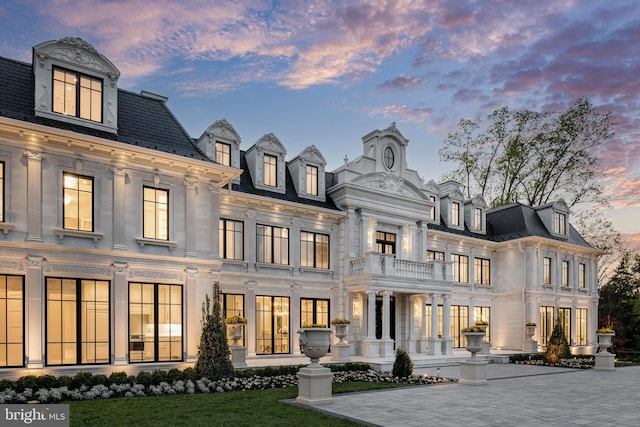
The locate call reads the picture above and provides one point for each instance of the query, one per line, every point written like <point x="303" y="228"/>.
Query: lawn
<point x="236" y="408"/>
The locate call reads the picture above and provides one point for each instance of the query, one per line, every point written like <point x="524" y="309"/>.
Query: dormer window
<point x="432" y="211"/>
<point x="223" y="153"/>
<point x="76" y="94"/>
<point x="560" y="223"/>
<point x="307" y="173"/>
<point x="270" y="169"/>
<point x="312" y="180"/>
<point x="455" y="213"/>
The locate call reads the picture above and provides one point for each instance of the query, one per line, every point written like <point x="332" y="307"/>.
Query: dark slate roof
<point x="142" y="121"/>
<point x="511" y="222"/>
<point x="246" y="186"/>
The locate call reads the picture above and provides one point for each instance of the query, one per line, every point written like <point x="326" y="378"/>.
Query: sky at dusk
<point x="329" y="72"/>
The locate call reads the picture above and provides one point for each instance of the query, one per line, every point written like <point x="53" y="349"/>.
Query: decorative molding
<point x="11" y="265"/>
<point x="78" y="269"/>
<point x="62" y="233"/>
<point x="142" y="242"/>
<point x="120" y="267"/>
<point x="157" y="275"/>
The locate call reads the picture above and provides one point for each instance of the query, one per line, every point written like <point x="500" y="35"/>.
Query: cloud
<point x="401" y="82"/>
<point x="401" y="113"/>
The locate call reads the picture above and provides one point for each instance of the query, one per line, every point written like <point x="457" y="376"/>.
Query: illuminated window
<point x="430" y="319"/>
<point x="460" y="268"/>
<point x="1" y="191"/>
<point x="546" y="271"/>
<point x="581" y="327"/>
<point x="564" y="315"/>
<point x="459" y="320"/>
<point x="156" y="213"/>
<point x="477" y="218"/>
<point x="314" y="311"/>
<point x="272" y="325"/>
<point x="270" y="170"/>
<point x="565" y="273"/>
<point x="385" y="242"/>
<point x="223" y="153"/>
<point x="11" y="321"/>
<point x="272" y="244"/>
<point x="582" y="272"/>
<point x="432" y="209"/>
<point x="560" y="223"/>
<point x="78" y="202"/>
<point x="546" y="324"/>
<point x="314" y="250"/>
<point x="231" y="235"/>
<point x="483" y="314"/>
<point x="482" y="271"/>
<point x="155" y="322"/>
<point x="455" y="213"/>
<point x="77" y="95"/>
<point x="312" y="180"/>
<point x="77" y="314"/>
<point x="233" y="305"/>
<point x="435" y="255"/>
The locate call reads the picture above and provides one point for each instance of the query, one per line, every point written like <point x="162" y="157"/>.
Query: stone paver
<point x="517" y="395"/>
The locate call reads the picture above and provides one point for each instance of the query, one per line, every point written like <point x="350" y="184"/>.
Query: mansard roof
<point x="143" y="121"/>
<point x="513" y="221"/>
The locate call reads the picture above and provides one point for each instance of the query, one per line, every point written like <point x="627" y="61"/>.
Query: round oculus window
<point x="388" y="157"/>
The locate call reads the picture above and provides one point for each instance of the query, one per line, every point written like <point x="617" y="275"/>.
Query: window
<point x="314" y="311"/>
<point x="223" y="153"/>
<point x="272" y="325"/>
<point x="477" y="219"/>
<point x="564" y="315"/>
<point x="11" y="321"/>
<point x="272" y="244"/>
<point x="77" y="95"/>
<point x="156" y="213"/>
<point x="429" y="313"/>
<point x="314" y="250"/>
<point x="459" y="320"/>
<point x="460" y="268"/>
<point x="312" y="180"/>
<point x="389" y="159"/>
<point x="482" y="271"/>
<point x="155" y="322"/>
<point x="78" y="202"/>
<point x="582" y="272"/>
<point x="455" y="213"/>
<point x="77" y="321"/>
<point x="385" y="242"/>
<point x="565" y="273"/>
<point x="432" y="209"/>
<point x="1" y="192"/>
<point x="546" y="324"/>
<point x="435" y="256"/>
<point x="483" y="314"/>
<point x="231" y="236"/>
<point x="270" y="170"/>
<point x="581" y="327"/>
<point x="546" y="271"/>
<point x="560" y="223"/>
<point x="233" y="305"/>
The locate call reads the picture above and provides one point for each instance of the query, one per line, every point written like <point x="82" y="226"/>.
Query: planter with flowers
<point x="473" y="371"/>
<point x="605" y="361"/>
<point x="235" y="330"/>
<point x="530" y="345"/>
<point x="314" y="381"/>
<point x="341" y="352"/>
<point x="484" y="343"/>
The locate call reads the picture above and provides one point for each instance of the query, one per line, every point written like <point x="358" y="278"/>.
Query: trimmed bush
<point x="558" y="346"/>
<point x="403" y="365"/>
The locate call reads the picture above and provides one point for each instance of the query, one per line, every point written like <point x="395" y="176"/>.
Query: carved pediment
<point x="224" y="129"/>
<point x="389" y="183"/>
<point x="270" y="142"/>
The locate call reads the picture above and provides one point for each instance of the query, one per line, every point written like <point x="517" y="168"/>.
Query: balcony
<point x="373" y="263"/>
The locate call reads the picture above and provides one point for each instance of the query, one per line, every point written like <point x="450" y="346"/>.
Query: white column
<point x="294" y="315"/>
<point x="119" y="208"/>
<point x="250" y="314"/>
<point x="190" y="224"/>
<point x="192" y="331"/>
<point x="446" y="324"/>
<point x="120" y="292"/>
<point x="371" y="344"/>
<point x="572" y="332"/>
<point x="214" y="220"/>
<point x="34" y="324"/>
<point x="34" y="196"/>
<point x="386" y="315"/>
<point x="434" y="316"/>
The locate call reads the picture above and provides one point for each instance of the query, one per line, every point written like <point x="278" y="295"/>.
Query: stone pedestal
<point x="434" y="347"/>
<point x="530" y="346"/>
<point x="314" y="385"/>
<point x="341" y="353"/>
<point x="485" y="347"/>
<point x="473" y="372"/>
<point x="238" y="356"/>
<point x="605" y="361"/>
<point x="371" y="348"/>
<point x="386" y="348"/>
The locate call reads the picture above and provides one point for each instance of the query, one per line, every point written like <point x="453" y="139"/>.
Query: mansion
<point x="116" y="224"/>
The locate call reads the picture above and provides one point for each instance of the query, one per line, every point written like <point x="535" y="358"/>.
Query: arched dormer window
<point x="221" y="143"/>
<point x="475" y="215"/>
<point x="307" y="171"/>
<point x="74" y="83"/>
<point x="452" y="204"/>
<point x="265" y="160"/>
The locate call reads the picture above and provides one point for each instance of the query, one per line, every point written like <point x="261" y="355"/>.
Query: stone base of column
<point x="486" y="347"/>
<point x="341" y="353"/>
<point x="119" y="361"/>
<point x="447" y="346"/>
<point x="371" y="348"/>
<point x="238" y="356"/>
<point x="473" y="372"/>
<point x="314" y="385"/>
<point x="605" y="361"/>
<point x="386" y="348"/>
<point x="434" y="347"/>
<point x="530" y="346"/>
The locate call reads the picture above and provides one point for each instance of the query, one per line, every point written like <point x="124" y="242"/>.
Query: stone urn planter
<point x="605" y="361"/>
<point x="341" y="351"/>
<point x="473" y="371"/>
<point x="235" y="331"/>
<point x="314" y="343"/>
<point x="604" y="340"/>
<point x="474" y="341"/>
<point x="530" y="330"/>
<point x="530" y="345"/>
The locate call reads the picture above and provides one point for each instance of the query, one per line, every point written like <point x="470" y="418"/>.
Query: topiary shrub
<point x="119" y="377"/>
<point x="403" y="366"/>
<point x="558" y="346"/>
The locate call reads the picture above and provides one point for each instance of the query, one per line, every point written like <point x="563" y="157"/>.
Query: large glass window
<point x="564" y="315"/>
<point x="314" y="250"/>
<point x="582" y="273"/>
<point x="77" y="202"/>
<point x="272" y="244"/>
<point x="77" y="321"/>
<point x="482" y="271"/>
<point x="483" y="314"/>
<point x="156" y="213"/>
<point x="11" y="321"/>
<point x="314" y="311"/>
<point x="385" y="242"/>
<point x="435" y="255"/>
<point x="560" y="223"/>
<point x="459" y="320"/>
<point x="565" y="273"/>
<point x="1" y="191"/>
<point x="270" y="170"/>
<point x="155" y="322"/>
<point x="460" y="268"/>
<point x="272" y="325"/>
<point x="429" y="313"/>
<point x="233" y="305"/>
<point x="455" y="213"/>
<point x="546" y="271"/>
<point x="231" y="235"/>
<point x="76" y="94"/>
<point x="581" y="327"/>
<point x="546" y="324"/>
<point x="223" y="153"/>
<point x="312" y="180"/>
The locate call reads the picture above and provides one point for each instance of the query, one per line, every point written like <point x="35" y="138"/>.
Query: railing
<point x="403" y="267"/>
<point x="387" y="264"/>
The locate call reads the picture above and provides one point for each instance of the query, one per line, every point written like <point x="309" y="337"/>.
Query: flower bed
<point x="538" y="359"/>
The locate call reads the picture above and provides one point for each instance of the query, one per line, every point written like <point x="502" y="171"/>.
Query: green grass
<point x="238" y="408"/>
